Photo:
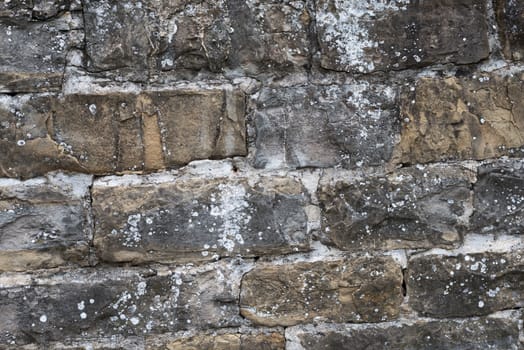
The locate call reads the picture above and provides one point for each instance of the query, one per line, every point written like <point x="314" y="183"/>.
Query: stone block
<point x="467" y="284"/>
<point x="416" y="207"/>
<point x="362" y="289"/>
<point x="190" y="218"/>
<point x="118" y="132"/>
<point x="368" y="36"/>
<point x="128" y="302"/>
<point x="475" y="117"/>
<point x="33" y="51"/>
<point x="499" y="198"/>
<point x="44" y="222"/>
<point x="469" y="333"/>
<point x="320" y="126"/>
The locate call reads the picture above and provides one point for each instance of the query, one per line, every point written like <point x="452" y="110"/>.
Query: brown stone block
<point x="119" y="132"/>
<point x="476" y="117"/>
<point x="351" y="290"/>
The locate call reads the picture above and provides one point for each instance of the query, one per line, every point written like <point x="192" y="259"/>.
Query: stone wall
<point x="261" y="174"/>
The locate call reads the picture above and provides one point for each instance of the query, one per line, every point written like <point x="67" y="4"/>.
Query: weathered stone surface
<point x="475" y="117"/>
<point x="510" y="16"/>
<point x="416" y="207"/>
<point x="366" y="36"/>
<point x="186" y="35"/>
<point x="84" y="343"/>
<point x="499" y="198"/>
<point x="189" y="218"/>
<point x="118" y="132"/>
<point x="350" y="290"/>
<point x="221" y="341"/>
<point x="105" y="302"/>
<point x="44" y="222"/>
<point x="471" y="334"/>
<point x="33" y="53"/>
<point x="319" y="126"/>
<point x="466" y="284"/>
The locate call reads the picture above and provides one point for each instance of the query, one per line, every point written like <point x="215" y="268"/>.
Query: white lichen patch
<point x="231" y="207"/>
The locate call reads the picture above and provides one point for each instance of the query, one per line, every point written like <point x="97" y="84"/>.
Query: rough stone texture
<point x="366" y="36"/>
<point x="471" y="334"/>
<point x="510" y="16"/>
<point x="119" y="132"/>
<point x="499" y="198"/>
<point x="85" y="343"/>
<point x="35" y="42"/>
<point x="192" y="219"/>
<point x="128" y="302"/>
<point x="319" y="126"/>
<point x="416" y="207"/>
<point x="475" y="117"/>
<point x="222" y="341"/>
<point x="160" y="36"/>
<point x="351" y="290"/>
<point x="466" y="285"/>
<point x="44" y="222"/>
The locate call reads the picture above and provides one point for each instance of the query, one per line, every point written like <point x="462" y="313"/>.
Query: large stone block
<point x="33" y="52"/>
<point x="475" y="117"/>
<point x="44" y="222"/>
<point x="471" y="334"/>
<point x="499" y="198"/>
<point x="417" y="207"/>
<point x="366" y="36"/>
<point x="118" y="132"/>
<point x="97" y="304"/>
<point x="320" y="126"/>
<point x="185" y="35"/>
<point x="510" y="16"/>
<point x="466" y="284"/>
<point x="192" y="218"/>
<point x="363" y="289"/>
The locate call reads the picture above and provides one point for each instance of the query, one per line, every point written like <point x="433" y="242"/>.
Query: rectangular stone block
<point x="44" y="222"/>
<point x="367" y="36"/>
<point x="244" y="339"/>
<point x="510" y="18"/>
<point x="416" y="207"/>
<point x="466" y="284"/>
<point x="362" y="289"/>
<point x="194" y="218"/>
<point x="475" y="117"/>
<point x="119" y="132"/>
<point x="470" y="333"/>
<point x="184" y="36"/>
<point x="33" y="51"/>
<point x="320" y="126"/>
<point x="105" y="302"/>
<point x="499" y="198"/>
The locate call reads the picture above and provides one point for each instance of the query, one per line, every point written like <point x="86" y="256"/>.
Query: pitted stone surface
<point x="510" y="15"/>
